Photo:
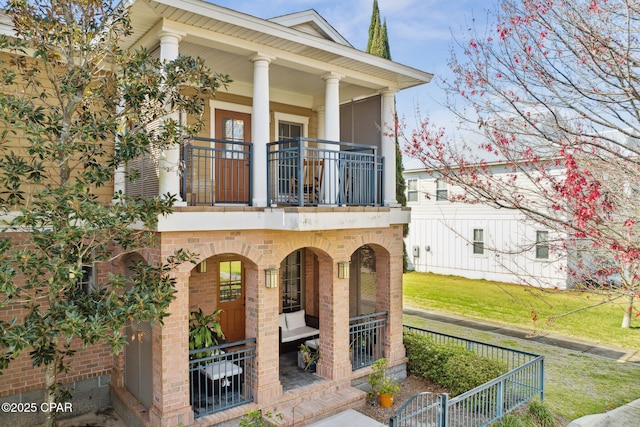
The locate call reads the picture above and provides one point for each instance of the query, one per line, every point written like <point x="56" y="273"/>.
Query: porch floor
<point x="291" y="376"/>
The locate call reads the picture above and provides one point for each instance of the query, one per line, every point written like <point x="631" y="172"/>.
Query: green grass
<point x="513" y="305"/>
<point x="575" y="384"/>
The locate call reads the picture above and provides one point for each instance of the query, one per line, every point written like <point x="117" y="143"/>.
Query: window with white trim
<point x="542" y="245"/>
<point x="441" y="190"/>
<point x="87" y="282"/>
<point x="412" y="190"/>
<point x="478" y="241"/>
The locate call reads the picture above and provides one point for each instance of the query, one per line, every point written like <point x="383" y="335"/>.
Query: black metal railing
<point x="216" y="172"/>
<point x="221" y="376"/>
<point x="367" y="335"/>
<point x="312" y="172"/>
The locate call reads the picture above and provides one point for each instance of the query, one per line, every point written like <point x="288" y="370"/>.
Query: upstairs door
<point x="232" y="159"/>
<point x="231" y="298"/>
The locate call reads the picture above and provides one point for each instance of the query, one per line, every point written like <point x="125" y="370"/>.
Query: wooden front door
<point x="232" y="160"/>
<point x="231" y="299"/>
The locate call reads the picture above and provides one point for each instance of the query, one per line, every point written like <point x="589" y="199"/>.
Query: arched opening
<point x="138" y="372"/>
<point x="368" y="312"/>
<point x="299" y="316"/>
<point x="220" y="366"/>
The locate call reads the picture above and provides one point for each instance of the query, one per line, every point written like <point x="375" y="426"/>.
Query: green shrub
<point x="511" y="420"/>
<point x="541" y="414"/>
<point x="455" y="368"/>
<point x="466" y="371"/>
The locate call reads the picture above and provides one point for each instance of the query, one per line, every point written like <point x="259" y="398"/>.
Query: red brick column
<point x="262" y="308"/>
<point x="334" y="322"/>
<point x="171" y="362"/>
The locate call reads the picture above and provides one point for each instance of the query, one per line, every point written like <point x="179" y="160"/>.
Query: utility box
<point x="416" y="251"/>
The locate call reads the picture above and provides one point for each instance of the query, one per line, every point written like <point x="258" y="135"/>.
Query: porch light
<point x="202" y="267"/>
<point x="343" y="269"/>
<point x="271" y="279"/>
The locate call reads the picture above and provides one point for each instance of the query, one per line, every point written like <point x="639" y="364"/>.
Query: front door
<point x="231" y="299"/>
<point x="232" y="160"/>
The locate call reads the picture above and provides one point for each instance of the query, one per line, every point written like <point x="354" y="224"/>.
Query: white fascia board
<point x="311" y="16"/>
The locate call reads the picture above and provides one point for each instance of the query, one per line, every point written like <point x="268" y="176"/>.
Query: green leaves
<point x="72" y="110"/>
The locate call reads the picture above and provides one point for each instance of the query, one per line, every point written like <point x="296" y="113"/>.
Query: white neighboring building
<point x="475" y="240"/>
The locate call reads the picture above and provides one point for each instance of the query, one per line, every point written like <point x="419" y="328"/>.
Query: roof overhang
<point x="226" y="39"/>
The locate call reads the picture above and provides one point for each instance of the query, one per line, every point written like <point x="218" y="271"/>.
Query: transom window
<point x="542" y="244"/>
<point x="478" y="241"/>
<point x="230" y="280"/>
<point x="292" y="283"/>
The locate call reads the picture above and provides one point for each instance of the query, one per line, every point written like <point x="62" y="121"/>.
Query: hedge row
<point x="455" y="368"/>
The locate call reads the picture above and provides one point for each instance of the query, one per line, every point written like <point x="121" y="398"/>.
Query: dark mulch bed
<point x="409" y="387"/>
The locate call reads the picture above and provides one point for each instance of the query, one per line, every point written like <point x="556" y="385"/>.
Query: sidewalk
<point x="603" y="350"/>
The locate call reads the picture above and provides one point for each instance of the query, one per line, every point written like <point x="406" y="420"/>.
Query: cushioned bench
<point x="297" y="327"/>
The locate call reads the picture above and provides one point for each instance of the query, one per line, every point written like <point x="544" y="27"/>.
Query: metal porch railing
<point x="216" y="172"/>
<point x="367" y="335"/>
<point x="221" y="376"/>
<point x="312" y="172"/>
<point x="484" y="404"/>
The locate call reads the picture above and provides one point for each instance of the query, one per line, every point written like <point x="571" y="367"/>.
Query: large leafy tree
<point x="74" y="107"/>
<point x="551" y="92"/>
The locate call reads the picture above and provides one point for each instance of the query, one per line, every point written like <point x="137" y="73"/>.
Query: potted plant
<point x="380" y="384"/>
<point x="204" y="331"/>
<point x="310" y="357"/>
<point x="386" y="390"/>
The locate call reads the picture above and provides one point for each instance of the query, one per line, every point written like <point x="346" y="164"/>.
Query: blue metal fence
<point x="221" y="376"/>
<point x="367" y="335"/>
<point x="484" y="404"/>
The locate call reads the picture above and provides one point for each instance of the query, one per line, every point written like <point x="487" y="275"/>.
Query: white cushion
<point x="218" y="370"/>
<point x="299" y="333"/>
<point x="296" y="320"/>
<point x="282" y="322"/>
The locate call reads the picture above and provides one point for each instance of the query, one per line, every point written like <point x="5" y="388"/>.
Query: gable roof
<point x="311" y="22"/>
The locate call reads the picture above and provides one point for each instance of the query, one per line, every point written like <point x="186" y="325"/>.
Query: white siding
<point x="443" y="232"/>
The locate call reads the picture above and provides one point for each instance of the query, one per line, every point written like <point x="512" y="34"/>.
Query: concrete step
<point x="318" y="403"/>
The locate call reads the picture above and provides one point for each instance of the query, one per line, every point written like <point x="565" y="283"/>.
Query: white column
<point x="260" y="127"/>
<point x="169" y="162"/>
<point x="119" y="176"/>
<point x="389" y="147"/>
<point x="330" y="181"/>
<point x="332" y="106"/>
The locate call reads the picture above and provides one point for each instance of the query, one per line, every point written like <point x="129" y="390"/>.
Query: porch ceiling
<point x="226" y="39"/>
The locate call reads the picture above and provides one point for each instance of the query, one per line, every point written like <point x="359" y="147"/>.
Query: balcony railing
<point x="221" y="376"/>
<point x="312" y="172"/>
<point x="367" y="335"/>
<point x="216" y="172"/>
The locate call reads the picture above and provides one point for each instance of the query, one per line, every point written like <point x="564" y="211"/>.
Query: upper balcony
<point x="312" y="184"/>
<point x="299" y="172"/>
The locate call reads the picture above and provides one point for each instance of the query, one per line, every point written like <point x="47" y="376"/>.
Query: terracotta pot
<point x="386" y="400"/>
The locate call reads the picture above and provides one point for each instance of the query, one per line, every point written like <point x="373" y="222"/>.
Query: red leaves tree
<point x="551" y="89"/>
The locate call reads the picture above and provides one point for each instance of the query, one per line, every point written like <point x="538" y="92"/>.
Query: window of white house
<point x="441" y="190"/>
<point x="478" y="241"/>
<point x="412" y="190"/>
<point x="292" y="284"/>
<point x="88" y="280"/>
<point x="542" y="244"/>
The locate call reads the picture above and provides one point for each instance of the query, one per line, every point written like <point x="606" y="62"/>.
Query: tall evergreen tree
<point x="378" y="44"/>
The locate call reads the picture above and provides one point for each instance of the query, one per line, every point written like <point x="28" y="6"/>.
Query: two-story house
<point x="475" y="240"/>
<point x="288" y="197"/>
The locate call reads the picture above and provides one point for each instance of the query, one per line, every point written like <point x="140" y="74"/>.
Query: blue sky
<point x="420" y="35"/>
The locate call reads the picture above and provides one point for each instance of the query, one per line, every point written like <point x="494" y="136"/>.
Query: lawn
<point x="575" y="384"/>
<point x="513" y="305"/>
